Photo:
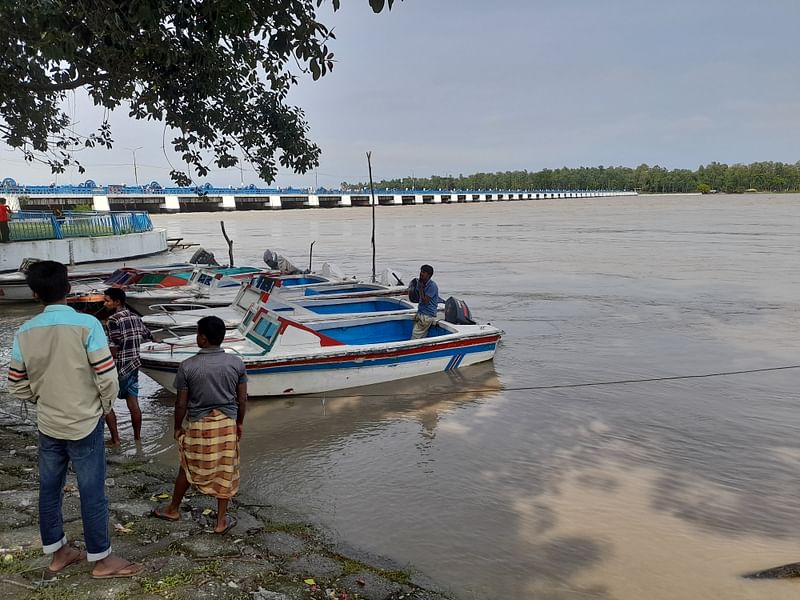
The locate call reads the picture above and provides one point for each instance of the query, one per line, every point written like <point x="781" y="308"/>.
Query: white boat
<point x="203" y="283"/>
<point x="171" y="320"/>
<point x="295" y="287"/>
<point x="285" y="357"/>
<point x="14" y="287"/>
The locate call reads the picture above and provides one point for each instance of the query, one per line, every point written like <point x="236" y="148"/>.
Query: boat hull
<point x="311" y="375"/>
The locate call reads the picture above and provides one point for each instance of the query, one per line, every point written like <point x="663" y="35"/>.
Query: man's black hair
<point x="116" y="294"/>
<point x="49" y="281"/>
<point x="427" y="269"/>
<point x="213" y="328"/>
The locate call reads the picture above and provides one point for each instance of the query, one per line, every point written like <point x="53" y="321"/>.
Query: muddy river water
<point x="513" y="479"/>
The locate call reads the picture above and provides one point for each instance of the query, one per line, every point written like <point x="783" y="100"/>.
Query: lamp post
<point x="135" y="174"/>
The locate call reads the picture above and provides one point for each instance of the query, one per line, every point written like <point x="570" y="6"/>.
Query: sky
<point x="449" y="87"/>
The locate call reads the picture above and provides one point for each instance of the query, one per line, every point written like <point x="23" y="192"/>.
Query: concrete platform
<point x="85" y="250"/>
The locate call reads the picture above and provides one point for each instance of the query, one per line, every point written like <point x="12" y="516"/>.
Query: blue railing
<point x="36" y="225"/>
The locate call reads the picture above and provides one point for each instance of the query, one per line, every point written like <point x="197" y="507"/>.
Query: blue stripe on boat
<point x="456" y="353"/>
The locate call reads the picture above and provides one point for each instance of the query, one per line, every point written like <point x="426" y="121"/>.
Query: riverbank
<point x="271" y="554"/>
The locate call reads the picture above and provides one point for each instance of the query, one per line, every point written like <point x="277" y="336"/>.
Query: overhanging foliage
<point x="216" y="71"/>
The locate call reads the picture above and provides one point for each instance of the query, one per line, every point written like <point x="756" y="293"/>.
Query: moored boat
<point x="166" y="322"/>
<point x="297" y="287"/>
<point x="87" y="296"/>
<point x="14" y="287"/>
<point x="202" y="282"/>
<point x="286" y="357"/>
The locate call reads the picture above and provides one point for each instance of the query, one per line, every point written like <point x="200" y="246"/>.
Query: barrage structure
<point x="154" y="198"/>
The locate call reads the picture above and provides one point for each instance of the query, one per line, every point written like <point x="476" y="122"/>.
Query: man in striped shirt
<point x="60" y="360"/>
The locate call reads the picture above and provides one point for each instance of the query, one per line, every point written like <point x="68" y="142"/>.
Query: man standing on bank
<point x="424" y="291"/>
<point x="60" y="360"/>
<point x="212" y="397"/>
<point x="5" y="217"/>
<point x="126" y="332"/>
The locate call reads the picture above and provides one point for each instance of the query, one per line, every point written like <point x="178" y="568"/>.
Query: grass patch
<point x="53" y="592"/>
<point x="19" y="562"/>
<point x="400" y="576"/>
<point x="213" y="568"/>
<point x="131" y="467"/>
<point x="350" y="567"/>
<point x="301" y="529"/>
<point x="163" y="584"/>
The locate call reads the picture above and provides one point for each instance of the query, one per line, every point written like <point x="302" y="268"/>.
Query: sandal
<point x="81" y="555"/>
<point x="230" y="523"/>
<point x="129" y="570"/>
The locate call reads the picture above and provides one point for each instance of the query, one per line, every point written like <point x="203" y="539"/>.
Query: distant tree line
<point x="737" y="178"/>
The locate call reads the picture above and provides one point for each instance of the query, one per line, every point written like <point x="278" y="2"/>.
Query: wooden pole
<point x="230" y="243"/>
<point x="372" y="192"/>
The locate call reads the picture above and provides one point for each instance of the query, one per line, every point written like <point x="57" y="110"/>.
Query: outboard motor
<point x="332" y="271"/>
<point x="457" y="312"/>
<point x="280" y="263"/>
<point x="390" y="277"/>
<point x="26" y="264"/>
<point x="203" y="257"/>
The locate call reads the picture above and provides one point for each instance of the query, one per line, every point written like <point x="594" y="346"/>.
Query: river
<point x="506" y="481"/>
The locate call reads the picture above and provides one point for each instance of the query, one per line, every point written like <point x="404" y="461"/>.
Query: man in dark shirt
<point x="212" y="396"/>
<point x="125" y="332"/>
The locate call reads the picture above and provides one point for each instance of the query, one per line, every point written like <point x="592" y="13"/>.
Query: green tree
<point x="216" y="72"/>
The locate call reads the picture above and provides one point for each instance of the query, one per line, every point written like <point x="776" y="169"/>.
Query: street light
<point x="135" y="174"/>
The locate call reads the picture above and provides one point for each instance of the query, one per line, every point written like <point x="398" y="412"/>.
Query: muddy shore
<point x="271" y="554"/>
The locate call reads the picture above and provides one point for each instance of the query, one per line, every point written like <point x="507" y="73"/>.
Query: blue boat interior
<point x="237" y="270"/>
<point x="367" y="306"/>
<point x="338" y="290"/>
<point x="378" y="333"/>
<point x="302" y="281"/>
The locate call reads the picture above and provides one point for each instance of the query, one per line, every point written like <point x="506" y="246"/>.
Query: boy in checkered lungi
<point x="209" y="412"/>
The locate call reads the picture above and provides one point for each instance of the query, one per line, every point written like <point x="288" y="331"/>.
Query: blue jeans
<point x="129" y="385"/>
<point x="88" y="458"/>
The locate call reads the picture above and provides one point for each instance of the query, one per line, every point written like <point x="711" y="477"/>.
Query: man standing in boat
<point x="425" y="292"/>
<point x="125" y="332"/>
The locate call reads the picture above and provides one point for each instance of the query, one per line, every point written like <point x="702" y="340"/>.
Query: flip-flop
<point x="129" y="570"/>
<point x="158" y="513"/>
<point x="230" y="523"/>
<point x="81" y="556"/>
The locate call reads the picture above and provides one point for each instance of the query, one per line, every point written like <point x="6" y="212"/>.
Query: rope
<point x="566" y="385"/>
<point x="559" y="386"/>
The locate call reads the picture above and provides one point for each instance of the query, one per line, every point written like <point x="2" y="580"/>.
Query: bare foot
<point x="166" y="512"/>
<point x="115" y="566"/>
<point x="64" y="557"/>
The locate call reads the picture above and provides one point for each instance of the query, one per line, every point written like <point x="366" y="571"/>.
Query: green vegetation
<point x="218" y="73"/>
<point x="19" y="561"/>
<point x="298" y="529"/>
<point x="351" y="567"/>
<point x="157" y="586"/>
<point x="737" y="178"/>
